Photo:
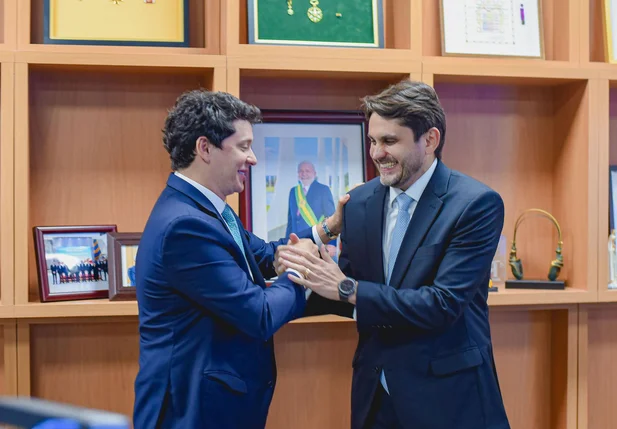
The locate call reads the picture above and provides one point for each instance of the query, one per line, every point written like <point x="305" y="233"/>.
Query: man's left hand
<point x="322" y="276"/>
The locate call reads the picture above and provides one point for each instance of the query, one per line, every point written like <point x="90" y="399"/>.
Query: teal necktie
<point x="233" y="227"/>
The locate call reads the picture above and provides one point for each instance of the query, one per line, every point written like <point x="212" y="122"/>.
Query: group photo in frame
<point x="306" y="162"/>
<point x="122" y="249"/>
<point x="502" y="28"/>
<point x="72" y="261"/>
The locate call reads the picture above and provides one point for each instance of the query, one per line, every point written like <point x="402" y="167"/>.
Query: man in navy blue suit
<point x="206" y="318"/>
<point x="310" y="202"/>
<point x="417" y="246"/>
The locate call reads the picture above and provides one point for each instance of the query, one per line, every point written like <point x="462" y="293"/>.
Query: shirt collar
<point x="417" y="188"/>
<point x="219" y="204"/>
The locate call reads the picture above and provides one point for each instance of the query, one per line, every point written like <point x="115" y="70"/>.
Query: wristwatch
<point x="346" y="288"/>
<point x="327" y="231"/>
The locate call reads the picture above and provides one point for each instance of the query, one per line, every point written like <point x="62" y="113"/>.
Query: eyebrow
<point x="384" y="136"/>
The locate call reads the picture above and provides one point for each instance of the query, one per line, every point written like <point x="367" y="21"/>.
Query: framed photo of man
<point x="122" y="249"/>
<point x="306" y="161"/>
<point x="72" y="261"/>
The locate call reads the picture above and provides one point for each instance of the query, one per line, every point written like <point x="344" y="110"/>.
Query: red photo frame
<point x="72" y="262"/>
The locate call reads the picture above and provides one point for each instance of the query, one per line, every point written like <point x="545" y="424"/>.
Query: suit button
<point x="376" y="369"/>
<point x="270" y="383"/>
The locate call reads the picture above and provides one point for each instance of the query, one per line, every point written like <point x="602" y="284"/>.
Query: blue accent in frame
<point x="49" y="41"/>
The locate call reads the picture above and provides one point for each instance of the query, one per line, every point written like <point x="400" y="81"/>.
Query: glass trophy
<point x="498" y="266"/>
<point x="612" y="260"/>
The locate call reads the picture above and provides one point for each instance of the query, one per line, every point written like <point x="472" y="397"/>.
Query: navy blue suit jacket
<point x="206" y="352"/>
<point x="319" y="197"/>
<point x="430" y="330"/>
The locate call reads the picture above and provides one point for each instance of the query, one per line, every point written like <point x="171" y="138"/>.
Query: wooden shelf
<point x="86" y="308"/>
<point x="129" y="59"/>
<point x="506" y="297"/>
<point x="504" y="71"/>
<point x="313" y="59"/>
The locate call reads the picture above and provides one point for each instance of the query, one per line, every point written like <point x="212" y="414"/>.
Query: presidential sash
<point x="304" y="208"/>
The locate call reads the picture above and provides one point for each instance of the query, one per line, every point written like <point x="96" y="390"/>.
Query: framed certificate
<point x="117" y="22"/>
<point x="505" y="28"/>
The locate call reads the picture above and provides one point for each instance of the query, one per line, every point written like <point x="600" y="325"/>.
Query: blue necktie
<point x="233" y="227"/>
<point x="402" y="220"/>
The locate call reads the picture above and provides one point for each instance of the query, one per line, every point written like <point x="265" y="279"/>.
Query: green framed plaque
<point x="342" y="23"/>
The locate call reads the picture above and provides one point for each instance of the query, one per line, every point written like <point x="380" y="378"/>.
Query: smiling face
<point x="400" y="158"/>
<point x="228" y="166"/>
<point x="306" y="173"/>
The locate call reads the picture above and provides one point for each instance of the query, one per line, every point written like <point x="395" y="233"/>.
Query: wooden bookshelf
<point x="541" y="132"/>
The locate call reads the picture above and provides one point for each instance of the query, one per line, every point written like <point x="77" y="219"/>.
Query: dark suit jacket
<point x="319" y="197"/>
<point x="430" y="330"/>
<point x="206" y="352"/>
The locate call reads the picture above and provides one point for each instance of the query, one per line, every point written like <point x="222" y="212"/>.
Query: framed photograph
<point x="122" y="249"/>
<point x="307" y="160"/>
<point x="72" y="261"/>
<point x="612" y="206"/>
<point x="344" y="23"/>
<point x="116" y="22"/>
<point x="502" y="28"/>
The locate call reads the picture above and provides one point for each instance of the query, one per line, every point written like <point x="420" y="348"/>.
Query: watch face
<point x="347" y="285"/>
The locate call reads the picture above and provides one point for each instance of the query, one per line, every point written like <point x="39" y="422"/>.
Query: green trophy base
<point x="536" y="284"/>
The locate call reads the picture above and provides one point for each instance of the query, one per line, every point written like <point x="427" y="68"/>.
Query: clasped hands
<point x="319" y="272"/>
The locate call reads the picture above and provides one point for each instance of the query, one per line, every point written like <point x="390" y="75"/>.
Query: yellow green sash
<point x="304" y="208"/>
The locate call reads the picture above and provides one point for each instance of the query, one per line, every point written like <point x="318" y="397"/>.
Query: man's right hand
<point x="302" y="243"/>
<point x="335" y="222"/>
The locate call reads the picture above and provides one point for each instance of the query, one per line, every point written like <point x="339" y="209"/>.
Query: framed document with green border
<point x="342" y="23"/>
<point x="502" y="28"/>
<point x="117" y="22"/>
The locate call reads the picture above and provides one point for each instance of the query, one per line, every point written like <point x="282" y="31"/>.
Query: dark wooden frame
<point x="48" y="40"/>
<point x="39" y="233"/>
<point x="115" y="241"/>
<point x="303" y="117"/>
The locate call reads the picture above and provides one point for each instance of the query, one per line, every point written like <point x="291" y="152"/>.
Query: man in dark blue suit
<point x="309" y="202"/>
<point x="417" y="246"/>
<point x="206" y="318"/>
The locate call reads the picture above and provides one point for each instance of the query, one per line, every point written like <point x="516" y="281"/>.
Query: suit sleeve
<point x="200" y="265"/>
<point x="264" y="252"/>
<point x="465" y="264"/>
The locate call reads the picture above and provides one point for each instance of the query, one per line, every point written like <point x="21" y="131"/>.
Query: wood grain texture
<point x="96" y="154"/>
<point x="521" y="141"/>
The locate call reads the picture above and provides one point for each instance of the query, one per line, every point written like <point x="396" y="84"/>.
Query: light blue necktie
<point x="402" y="220"/>
<point x="233" y="227"/>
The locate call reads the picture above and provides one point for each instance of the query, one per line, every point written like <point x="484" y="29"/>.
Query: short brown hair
<point x="414" y="104"/>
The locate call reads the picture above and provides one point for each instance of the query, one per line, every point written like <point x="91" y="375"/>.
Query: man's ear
<point x="203" y="149"/>
<point x="433" y="137"/>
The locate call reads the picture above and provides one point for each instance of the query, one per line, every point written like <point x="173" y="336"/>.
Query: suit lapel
<point x="250" y="257"/>
<point x="423" y="217"/>
<point x="374" y="234"/>
<point x="207" y="207"/>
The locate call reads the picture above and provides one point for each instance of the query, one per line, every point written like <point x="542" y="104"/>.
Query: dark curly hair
<point x="200" y="113"/>
<point x="414" y="104"/>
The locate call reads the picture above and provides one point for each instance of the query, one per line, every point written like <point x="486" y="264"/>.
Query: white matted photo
<point x="509" y="28"/>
